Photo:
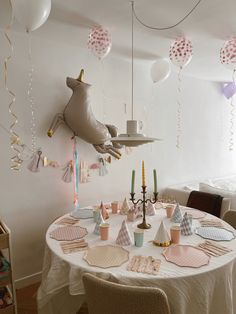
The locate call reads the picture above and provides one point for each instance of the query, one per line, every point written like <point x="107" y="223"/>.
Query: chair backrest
<point x="105" y="297"/>
<point x="181" y="196"/>
<point x="230" y="218"/>
<point x="210" y="203"/>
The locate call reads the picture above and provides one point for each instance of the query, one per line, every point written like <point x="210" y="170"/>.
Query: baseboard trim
<point x="28" y="280"/>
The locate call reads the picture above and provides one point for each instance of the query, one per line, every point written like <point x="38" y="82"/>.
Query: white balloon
<point x="31" y="13"/>
<point x="160" y="70"/>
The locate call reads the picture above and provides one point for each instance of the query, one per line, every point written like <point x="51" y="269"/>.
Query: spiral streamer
<point x="31" y="99"/>
<point x="232" y="118"/>
<point x="179" y="110"/>
<point x="15" y="141"/>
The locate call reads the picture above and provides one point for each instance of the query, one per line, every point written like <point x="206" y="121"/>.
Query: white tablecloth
<point x="210" y="289"/>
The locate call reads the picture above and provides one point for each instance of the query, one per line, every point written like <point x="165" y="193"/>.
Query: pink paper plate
<point x="186" y="256"/>
<point x="68" y="233"/>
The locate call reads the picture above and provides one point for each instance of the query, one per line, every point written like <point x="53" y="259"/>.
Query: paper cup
<point x="114" y="207"/>
<point x="138" y="237"/>
<point x="104" y="231"/>
<point x="175" y="232"/>
<point x="169" y="210"/>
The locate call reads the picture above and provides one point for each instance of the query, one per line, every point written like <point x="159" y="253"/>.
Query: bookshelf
<point x="7" y="288"/>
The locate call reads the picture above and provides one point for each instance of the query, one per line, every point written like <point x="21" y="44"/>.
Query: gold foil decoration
<point x="15" y="141"/>
<point x="31" y="99"/>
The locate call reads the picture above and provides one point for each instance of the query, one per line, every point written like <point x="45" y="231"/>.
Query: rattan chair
<point x="104" y="297"/>
<point x="230" y="218"/>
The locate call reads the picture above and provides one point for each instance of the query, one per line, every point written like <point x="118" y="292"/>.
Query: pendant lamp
<point x="132" y="137"/>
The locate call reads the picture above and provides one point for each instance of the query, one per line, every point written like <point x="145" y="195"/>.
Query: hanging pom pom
<point x="35" y="162"/>
<point x="68" y="173"/>
<point x="103" y="169"/>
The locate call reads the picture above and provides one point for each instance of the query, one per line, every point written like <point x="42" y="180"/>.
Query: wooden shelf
<point x="8" y="310"/>
<point x="4" y="238"/>
<point x="7" y="281"/>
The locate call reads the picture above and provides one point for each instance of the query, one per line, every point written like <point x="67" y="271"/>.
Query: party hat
<point x="104" y="211"/>
<point x="150" y="210"/>
<point x="131" y="215"/>
<point x="186" y="228"/>
<point x="100" y="220"/>
<point x="125" y="207"/>
<point x="124" y="237"/>
<point x="177" y="215"/>
<point x="162" y="237"/>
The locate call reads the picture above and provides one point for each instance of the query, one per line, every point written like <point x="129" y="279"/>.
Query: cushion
<point x="228" y="183"/>
<point x="229" y="200"/>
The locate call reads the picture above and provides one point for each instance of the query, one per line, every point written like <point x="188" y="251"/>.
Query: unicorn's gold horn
<point x="80" y="77"/>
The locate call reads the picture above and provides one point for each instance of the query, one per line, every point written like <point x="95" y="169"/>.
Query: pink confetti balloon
<point x="99" y="42"/>
<point x="181" y="52"/>
<point x="228" y="54"/>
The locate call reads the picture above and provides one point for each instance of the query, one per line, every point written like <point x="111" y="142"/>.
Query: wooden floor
<point x="26" y="299"/>
<point x="27" y="304"/>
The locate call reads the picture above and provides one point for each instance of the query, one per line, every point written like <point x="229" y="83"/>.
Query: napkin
<point x="67" y="221"/>
<point x="211" y="223"/>
<point x="144" y="264"/>
<point x="214" y="249"/>
<point x="74" y="246"/>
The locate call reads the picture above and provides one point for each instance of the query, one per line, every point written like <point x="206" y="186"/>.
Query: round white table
<point x="210" y="289"/>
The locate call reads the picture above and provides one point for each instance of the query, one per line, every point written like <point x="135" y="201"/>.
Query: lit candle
<point x="132" y="181"/>
<point x="155" y="180"/>
<point x="143" y="174"/>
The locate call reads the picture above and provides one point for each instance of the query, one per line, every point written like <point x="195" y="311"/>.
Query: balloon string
<point x="16" y="159"/>
<point x="104" y="98"/>
<point x="179" y="110"/>
<point x="30" y="97"/>
<point x="232" y="118"/>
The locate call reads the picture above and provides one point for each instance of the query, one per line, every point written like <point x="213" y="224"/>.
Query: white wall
<point x="30" y="202"/>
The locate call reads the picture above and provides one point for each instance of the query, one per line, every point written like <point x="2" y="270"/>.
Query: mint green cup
<point x="95" y="215"/>
<point x="138" y="237"/>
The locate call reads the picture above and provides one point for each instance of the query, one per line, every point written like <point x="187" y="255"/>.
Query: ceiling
<point x="208" y="27"/>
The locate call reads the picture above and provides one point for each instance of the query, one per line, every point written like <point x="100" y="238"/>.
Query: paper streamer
<point x="30" y="97"/>
<point x="16" y="159"/>
<point x="76" y="172"/>
<point x="232" y="118"/>
<point x="179" y="110"/>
